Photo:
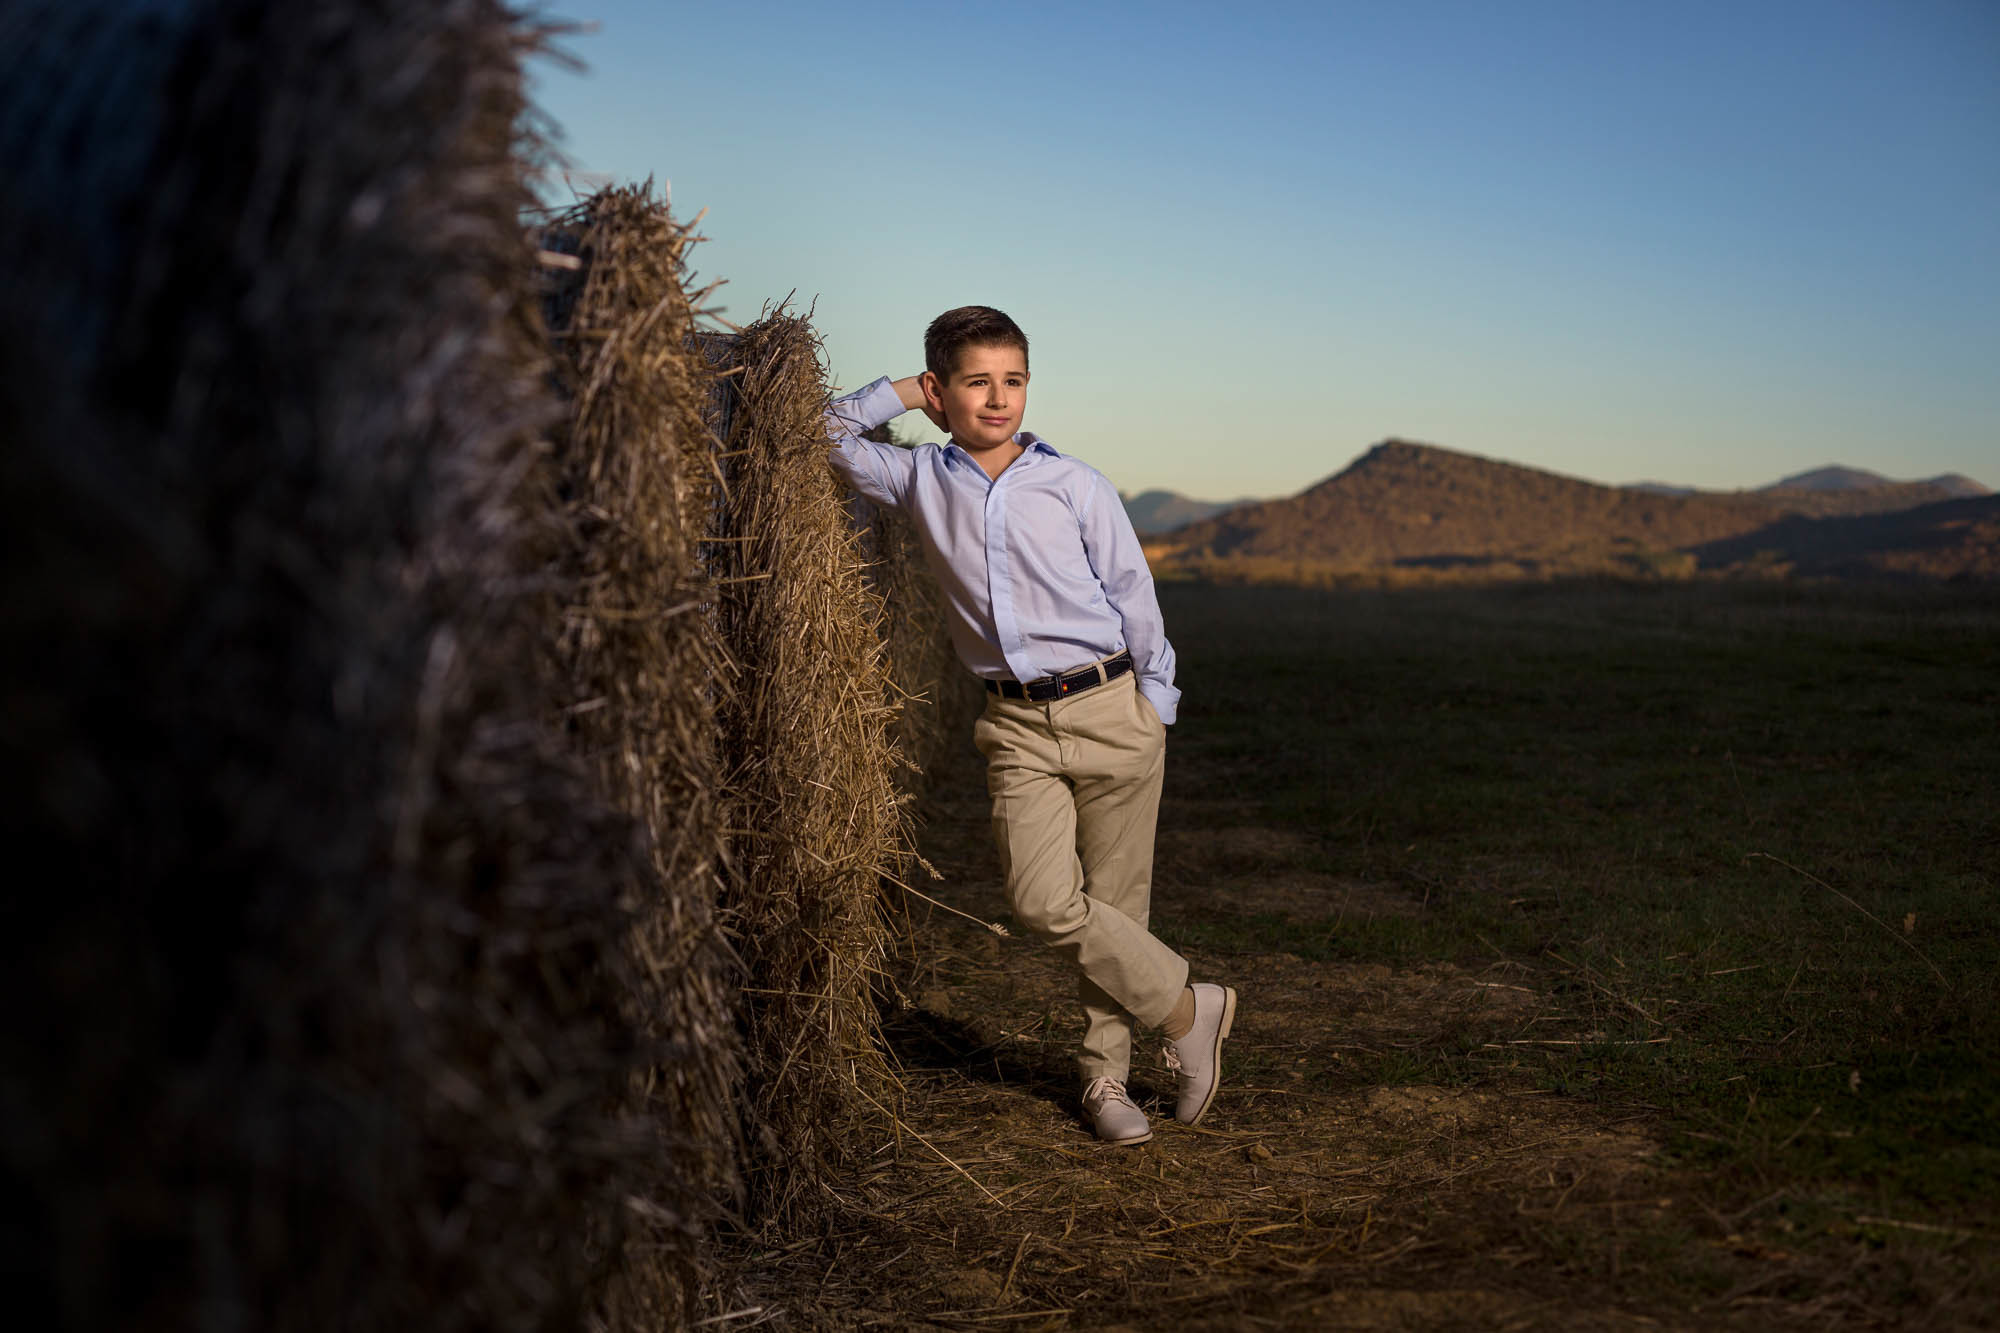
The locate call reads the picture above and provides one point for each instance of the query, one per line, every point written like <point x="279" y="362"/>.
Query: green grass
<point x="1592" y="780"/>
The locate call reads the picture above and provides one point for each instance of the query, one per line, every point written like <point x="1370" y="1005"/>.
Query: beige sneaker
<point x="1112" y="1113"/>
<point x="1196" y="1059"/>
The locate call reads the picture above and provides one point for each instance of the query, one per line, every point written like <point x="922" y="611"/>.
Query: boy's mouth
<point x="995" y="421"/>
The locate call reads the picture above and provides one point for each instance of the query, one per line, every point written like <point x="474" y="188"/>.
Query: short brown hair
<point x="968" y="326"/>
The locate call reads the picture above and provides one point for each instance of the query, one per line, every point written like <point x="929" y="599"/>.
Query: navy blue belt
<point x="1061" y="687"/>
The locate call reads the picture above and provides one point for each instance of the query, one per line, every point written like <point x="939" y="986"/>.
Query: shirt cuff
<point x="1165" y="699"/>
<point x="869" y="406"/>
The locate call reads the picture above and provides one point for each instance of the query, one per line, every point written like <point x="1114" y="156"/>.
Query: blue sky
<point x="1708" y="243"/>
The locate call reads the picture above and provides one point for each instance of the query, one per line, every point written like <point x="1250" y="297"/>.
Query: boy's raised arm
<point x="881" y="472"/>
<point x="1120" y="564"/>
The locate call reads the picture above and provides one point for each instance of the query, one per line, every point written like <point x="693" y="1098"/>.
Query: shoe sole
<point x="1147" y="1137"/>
<point x="1215" y="1055"/>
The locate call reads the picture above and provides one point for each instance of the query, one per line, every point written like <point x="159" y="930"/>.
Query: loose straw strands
<point x="1885" y="926"/>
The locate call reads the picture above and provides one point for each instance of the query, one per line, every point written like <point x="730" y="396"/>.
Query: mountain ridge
<point x="1408" y="505"/>
<point x="1840" y="477"/>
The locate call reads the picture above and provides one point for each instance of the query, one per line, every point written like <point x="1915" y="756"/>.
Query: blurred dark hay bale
<point x="640" y="491"/>
<point x="813" y="810"/>
<point x="318" y="1004"/>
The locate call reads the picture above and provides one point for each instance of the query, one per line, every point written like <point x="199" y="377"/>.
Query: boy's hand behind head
<point x="914" y="392"/>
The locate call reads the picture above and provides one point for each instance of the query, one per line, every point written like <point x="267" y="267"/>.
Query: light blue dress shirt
<point x="1040" y="568"/>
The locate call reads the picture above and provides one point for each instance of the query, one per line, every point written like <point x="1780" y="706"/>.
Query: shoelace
<point x="1173" y="1060"/>
<point x="1106" y="1090"/>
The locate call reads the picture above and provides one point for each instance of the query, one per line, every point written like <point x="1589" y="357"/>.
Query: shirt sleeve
<point x="1113" y="548"/>
<point x="881" y="472"/>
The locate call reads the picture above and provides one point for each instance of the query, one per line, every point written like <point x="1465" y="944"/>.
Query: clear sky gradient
<point x="1705" y="243"/>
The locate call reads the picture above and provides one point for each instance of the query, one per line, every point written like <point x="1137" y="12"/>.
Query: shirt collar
<point x="1030" y="443"/>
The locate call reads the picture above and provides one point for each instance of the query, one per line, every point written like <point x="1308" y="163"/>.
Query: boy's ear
<point x="933" y="391"/>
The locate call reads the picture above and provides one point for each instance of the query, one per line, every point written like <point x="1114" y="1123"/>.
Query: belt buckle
<point x="1080" y="679"/>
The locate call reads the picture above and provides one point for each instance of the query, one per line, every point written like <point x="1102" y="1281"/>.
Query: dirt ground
<point x="1318" y="1193"/>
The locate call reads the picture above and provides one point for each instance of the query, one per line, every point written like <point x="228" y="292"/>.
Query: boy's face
<point x="986" y="396"/>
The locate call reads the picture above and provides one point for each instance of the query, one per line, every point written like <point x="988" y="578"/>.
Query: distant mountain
<point x="1837" y="478"/>
<point x="1842" y="490"/>
<point x="1946" y="539"/>
<point x="1887" y="498"/>
<point x="1163" y="511"/>
<point x="1416" y="508"/>
<point x="1402" y="502"/>
<point x="1832" y="477"/>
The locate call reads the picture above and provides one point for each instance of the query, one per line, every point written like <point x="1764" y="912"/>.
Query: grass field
<point x="1750" y="834"/>
<point x="1612" y="956"/>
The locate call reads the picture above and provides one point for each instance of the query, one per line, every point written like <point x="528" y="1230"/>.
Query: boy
<point x="1051" y="603"/>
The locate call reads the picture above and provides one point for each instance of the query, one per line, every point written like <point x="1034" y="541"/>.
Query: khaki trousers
<point x="1076" y="793"/>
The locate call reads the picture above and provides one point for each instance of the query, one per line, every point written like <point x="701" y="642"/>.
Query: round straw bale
<point x="645" y="667"/>
<point x="813" y="808"/>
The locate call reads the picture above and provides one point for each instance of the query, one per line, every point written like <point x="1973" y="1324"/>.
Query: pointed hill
<point x="1418" y="507"/>
<point x="1403" y="503"/>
